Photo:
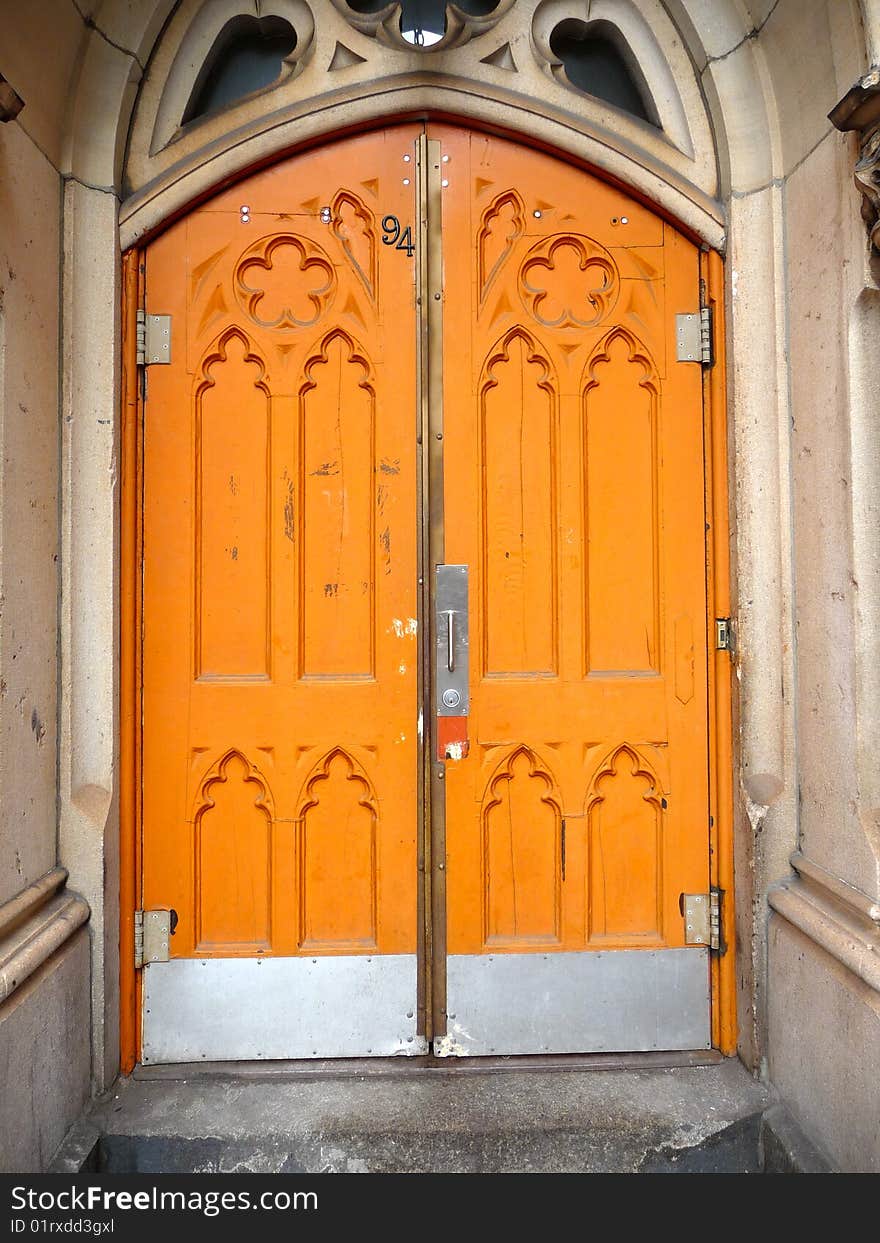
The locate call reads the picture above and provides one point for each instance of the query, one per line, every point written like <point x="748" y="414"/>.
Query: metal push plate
<point x="452" y="665"/>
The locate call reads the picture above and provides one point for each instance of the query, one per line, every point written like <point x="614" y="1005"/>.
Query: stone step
<point x="553" y="1116"/>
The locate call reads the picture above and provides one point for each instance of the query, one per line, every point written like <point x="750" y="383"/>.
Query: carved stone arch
<point x="204" y="30"/>
<point x="334" y="89"/>
<point x="384" y="24"/>
<point x="637" y="36"/>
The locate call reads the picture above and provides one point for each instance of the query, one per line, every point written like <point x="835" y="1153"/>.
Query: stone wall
<point x="757" y="78"/>
<point x="822" y="1004"/>
<point x="44" y="1022"/>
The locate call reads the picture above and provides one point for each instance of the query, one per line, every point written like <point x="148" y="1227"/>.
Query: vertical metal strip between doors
<point x="431" y="548"/>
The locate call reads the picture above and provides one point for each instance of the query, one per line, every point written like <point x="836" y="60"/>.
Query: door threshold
<point x="398" y="1067"/>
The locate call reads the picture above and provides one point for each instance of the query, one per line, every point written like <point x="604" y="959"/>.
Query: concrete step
<point x="550" y="1115"/>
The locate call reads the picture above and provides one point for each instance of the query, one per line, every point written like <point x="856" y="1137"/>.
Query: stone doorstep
<point x="370" y="1118"/>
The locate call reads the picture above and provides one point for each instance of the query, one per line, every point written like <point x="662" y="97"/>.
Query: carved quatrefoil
<point x="460" y="25"/>
<point x="285" y="281"/>
<point x="569" y="280"/>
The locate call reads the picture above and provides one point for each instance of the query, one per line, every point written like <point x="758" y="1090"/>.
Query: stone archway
<point x="112" y="198"/>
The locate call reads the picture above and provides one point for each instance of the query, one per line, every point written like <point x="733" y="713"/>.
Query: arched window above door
<point x="609" y="80"/>
<point x="247" y="55"/>
<point x="598" y="60"/>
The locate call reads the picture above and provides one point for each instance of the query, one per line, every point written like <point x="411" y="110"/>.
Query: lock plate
<point x="451" y="621"/>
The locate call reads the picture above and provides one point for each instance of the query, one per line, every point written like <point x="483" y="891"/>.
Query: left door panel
<point x="280" y="749"/>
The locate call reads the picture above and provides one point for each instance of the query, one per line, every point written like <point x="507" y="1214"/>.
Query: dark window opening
<point x="598" y="61"/>
<point x="247" y="55"/>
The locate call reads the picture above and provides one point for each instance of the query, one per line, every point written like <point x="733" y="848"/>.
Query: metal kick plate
<point x="612" y="1001"/>
<point x="242" y="1009"/>
<point x="452" y="665"/>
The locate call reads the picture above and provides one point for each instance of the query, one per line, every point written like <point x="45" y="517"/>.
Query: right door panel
<point x="574" y="491"/>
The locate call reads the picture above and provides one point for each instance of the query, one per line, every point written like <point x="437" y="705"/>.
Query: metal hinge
<point x="153" y="339"/>
<point x="694" y="337"/>
<point x="724" y="640"/>
<point x="152" y="932"/>
<point x="702" y="918"/>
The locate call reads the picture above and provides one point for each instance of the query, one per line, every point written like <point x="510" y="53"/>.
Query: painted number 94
<point x="392" y="235"/>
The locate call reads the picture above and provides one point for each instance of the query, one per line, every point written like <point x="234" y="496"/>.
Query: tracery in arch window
<point x="423" y="22"/>
<point x="598" y="61"/>
<point x="247" y="55"/>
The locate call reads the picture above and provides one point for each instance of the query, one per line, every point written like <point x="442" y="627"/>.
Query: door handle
<point x="450" y="640"/>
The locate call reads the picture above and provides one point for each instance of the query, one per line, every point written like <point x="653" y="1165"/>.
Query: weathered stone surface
<point x="30" y="193"/>
<point x="827" y="1075"/>
<point x="421" y="1120"/>
<point x="44" y="1058"/>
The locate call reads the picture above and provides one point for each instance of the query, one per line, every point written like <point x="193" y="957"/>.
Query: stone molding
<point x="384" y="24"/>
<point x="351" y="70"/>
<point x="859" y="112"/>
<point x="830" y="919"/>
<point x="11" y="103"/>
<point x="33" y="925"/>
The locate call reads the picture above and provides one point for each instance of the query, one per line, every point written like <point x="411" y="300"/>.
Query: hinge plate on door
<point x="702" y="918"/>
<point x="694" y="337"/>
<point x="152" y="932"/>
<point x="153" y="339"/>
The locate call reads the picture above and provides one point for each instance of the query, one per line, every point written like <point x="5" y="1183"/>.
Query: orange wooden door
<point x="282" y="806"/>
<point x="573" y="487"/>
<point x="280" y="674"/>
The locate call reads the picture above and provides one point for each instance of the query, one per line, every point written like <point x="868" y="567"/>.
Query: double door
<point x="424" y="735"/>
